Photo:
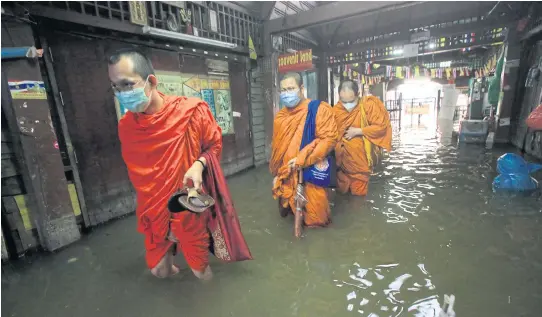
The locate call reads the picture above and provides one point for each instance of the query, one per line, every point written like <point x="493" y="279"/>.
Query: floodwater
<point x="430" y="226"/>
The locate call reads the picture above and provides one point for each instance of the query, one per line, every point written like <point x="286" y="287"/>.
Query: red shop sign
<point x="295" y="62"/>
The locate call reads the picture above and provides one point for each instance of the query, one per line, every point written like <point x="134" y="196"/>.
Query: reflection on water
<point x="420" y="166"/>
<point x="389" y="290"/>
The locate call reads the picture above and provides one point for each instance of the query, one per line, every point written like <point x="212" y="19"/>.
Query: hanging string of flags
<point x="410" y="72"/>
<point x="402" y="72"/>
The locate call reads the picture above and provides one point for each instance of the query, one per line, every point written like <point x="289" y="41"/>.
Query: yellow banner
<point x="251" y="49"/>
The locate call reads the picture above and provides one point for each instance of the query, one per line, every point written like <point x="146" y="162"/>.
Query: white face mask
<point x="350" y="105"/>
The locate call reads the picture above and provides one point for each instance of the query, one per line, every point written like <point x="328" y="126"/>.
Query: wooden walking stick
<point x="300" y="202"/>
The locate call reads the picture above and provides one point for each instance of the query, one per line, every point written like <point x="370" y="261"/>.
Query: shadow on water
<point x="429" y="226"/>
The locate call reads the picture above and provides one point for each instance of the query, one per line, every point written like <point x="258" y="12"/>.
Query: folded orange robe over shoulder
<point x="356" y="157"/>
<point x="158" y="149"/>
<point x="287" y="134"/>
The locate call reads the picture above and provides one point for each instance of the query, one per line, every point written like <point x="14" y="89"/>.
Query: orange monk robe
<point x="287" y="134"/>
<point x="353" y="156"/>
<point x="158" y="149"/>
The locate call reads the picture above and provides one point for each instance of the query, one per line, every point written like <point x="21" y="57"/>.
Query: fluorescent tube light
<point x="186" y="37"/>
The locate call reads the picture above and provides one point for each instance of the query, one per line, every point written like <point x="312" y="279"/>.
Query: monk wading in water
<point x="289" y="157"/>
<point x="164" y="143"/>
<point x="365" y="129"/>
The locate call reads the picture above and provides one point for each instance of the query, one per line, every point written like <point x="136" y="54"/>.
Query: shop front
<point x="301" y="62"/>
<point x="92" y="112"/>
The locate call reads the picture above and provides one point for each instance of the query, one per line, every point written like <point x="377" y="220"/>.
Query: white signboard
<point x="213" y="21"/>
<point x="410" y="50"/>
<point x="420" y="36"/>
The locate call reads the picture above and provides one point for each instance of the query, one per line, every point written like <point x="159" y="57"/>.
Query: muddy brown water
<point x="430" y="226"/>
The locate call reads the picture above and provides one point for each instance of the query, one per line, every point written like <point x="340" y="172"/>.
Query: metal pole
<point x="400" y="103"/>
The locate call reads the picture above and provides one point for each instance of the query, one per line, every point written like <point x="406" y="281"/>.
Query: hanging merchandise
<point x="399" y="72"/>
<point x="494" y="88"/>
<point x="454" y="73"/>
<point x="407" y="72"/>
<point x="363" y="82"/>
<point x="433" y="73"/>
<point x="533" y="76"/>
<point x="388" y="71"/>
<point x="534" y="121"/>
<point x="368" y="68"/>
<point x="416" y="71"/>
<point x="448" y="73"/>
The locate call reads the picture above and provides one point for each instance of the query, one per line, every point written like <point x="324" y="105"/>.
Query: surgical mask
<point x="134" y="100"/>
<point x="350" y="105"/>
<point x="290" y="99"/>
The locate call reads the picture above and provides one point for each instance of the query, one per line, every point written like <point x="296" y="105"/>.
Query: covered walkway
<point x="430" y="225"/>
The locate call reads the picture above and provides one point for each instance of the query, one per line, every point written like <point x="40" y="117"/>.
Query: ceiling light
<point x="185" y="37"/>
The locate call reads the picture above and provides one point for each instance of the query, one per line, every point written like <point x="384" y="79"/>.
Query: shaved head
<point x="142" y="66"/>
<point x="295" y="76"/>
<point x="349" y="85"/>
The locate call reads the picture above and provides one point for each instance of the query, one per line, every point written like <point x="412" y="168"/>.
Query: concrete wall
<point x="268" y="80"/>
<point x="258" y="106"/>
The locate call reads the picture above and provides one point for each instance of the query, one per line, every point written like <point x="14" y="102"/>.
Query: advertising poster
<point x="224" y="111"/>
<point x="213" y="89"/>
<point x="27" y="89"/>
<point x="209" y="97"/>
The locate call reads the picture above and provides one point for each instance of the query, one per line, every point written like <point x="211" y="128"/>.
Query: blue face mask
<point x="350" y="105"/>
<point x="290" y="99"/>
<point x="134" y="100"/>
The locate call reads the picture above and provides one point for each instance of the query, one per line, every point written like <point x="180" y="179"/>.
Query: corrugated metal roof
<point x="281" y="8"/>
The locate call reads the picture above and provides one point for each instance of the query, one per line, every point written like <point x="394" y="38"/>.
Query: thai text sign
<point x="138" y="12"/>
<point x="418" y="109"/>
<point x="295" y="62"/>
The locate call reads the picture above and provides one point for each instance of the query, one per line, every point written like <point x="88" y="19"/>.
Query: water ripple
<point x="390" y="290"/>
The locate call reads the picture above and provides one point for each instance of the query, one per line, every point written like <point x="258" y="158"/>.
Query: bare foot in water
<point x="174" y="270"/>
<point x="205" y="276"/>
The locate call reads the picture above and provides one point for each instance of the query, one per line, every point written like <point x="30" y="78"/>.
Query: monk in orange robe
<point x="163" y="139"/>
<point x="365" y="129"/>
<point x="287" y="158"/>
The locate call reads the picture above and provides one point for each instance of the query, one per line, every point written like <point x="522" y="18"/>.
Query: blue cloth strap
<point x="309" y="132"/>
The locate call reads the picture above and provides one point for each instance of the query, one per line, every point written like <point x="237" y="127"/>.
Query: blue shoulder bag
<point x="323" y="172"/>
